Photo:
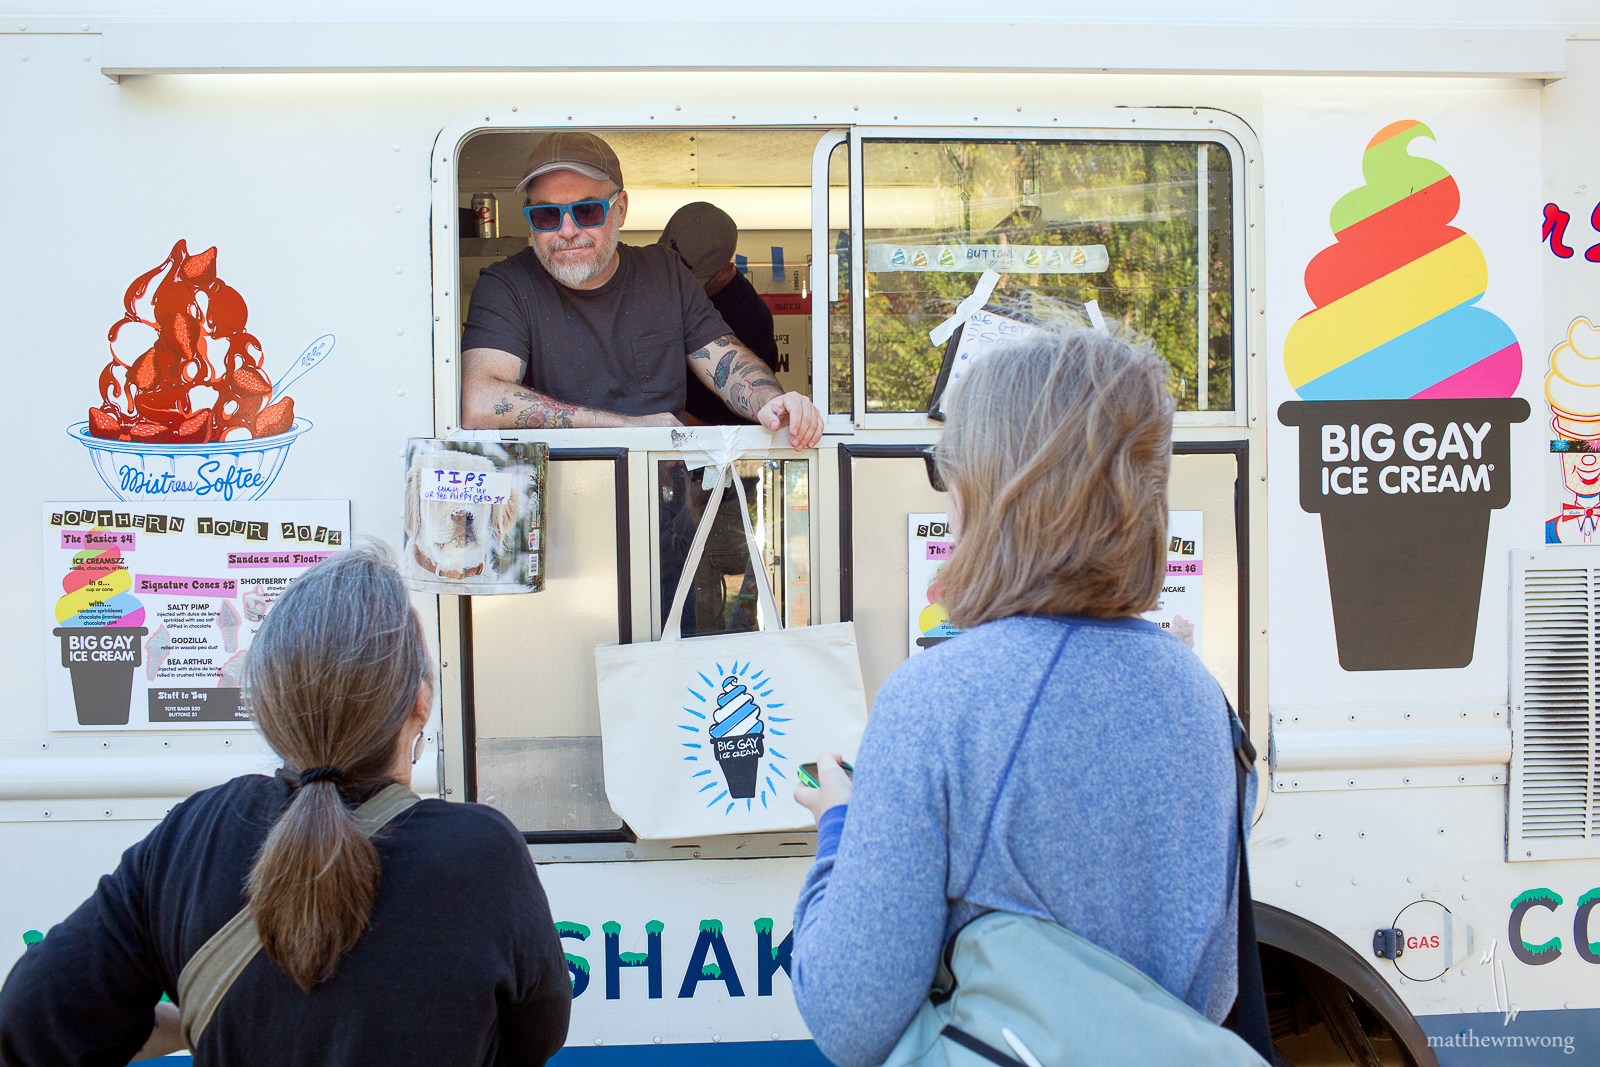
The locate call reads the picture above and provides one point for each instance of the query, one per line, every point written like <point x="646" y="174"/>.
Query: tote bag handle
<point x="672" y="630"/>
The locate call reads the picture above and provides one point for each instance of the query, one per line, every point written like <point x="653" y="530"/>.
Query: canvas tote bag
<point x="704" y="735"/>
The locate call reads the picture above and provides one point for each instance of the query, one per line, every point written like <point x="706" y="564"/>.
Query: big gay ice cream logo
<point x="731" y="758"/>
<point x="101" y="627"/>
<point x="1405" y="413"/>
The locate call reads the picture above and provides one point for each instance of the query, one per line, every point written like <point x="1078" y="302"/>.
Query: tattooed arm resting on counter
<point x="493" y="397"/>
<point x="746" y="385"/>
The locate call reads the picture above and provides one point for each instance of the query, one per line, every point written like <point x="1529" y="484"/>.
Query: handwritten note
<point x="466" y="487"/>
<point x="983" y="332"/>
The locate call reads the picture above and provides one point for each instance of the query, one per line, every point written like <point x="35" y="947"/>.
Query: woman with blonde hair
<point x="320" y="916"/>
<point x="1062" y="758"/>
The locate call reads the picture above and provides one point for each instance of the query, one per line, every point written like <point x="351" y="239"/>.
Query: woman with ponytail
<point x="321" y="916"/>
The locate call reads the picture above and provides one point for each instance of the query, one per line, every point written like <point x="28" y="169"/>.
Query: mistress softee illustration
<point x="178" y="420"/>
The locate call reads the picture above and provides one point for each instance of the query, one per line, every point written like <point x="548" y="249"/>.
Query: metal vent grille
<point x="1555" y="676"/>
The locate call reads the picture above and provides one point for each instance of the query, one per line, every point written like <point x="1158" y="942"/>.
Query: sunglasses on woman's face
<point x="586" y="214"/>
<point x="930" y="458"/>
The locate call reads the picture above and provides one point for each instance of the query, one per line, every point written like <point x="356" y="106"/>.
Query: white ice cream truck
<point x="1366" y="240"/>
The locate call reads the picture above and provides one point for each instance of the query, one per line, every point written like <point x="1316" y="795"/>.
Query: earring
<point x="417" y="748"/>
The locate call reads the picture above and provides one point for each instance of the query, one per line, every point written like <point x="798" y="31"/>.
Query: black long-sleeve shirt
<point x="460" y="962"/>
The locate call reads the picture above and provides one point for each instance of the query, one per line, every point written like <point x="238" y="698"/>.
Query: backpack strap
<point x="212" y="970"/>
<point x="1250" y="1020"/>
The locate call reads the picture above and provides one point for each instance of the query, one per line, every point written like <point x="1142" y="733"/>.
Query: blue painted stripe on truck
<point x="720" y="1054"/>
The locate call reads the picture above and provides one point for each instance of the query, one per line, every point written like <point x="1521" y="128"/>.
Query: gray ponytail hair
<point x="334" y="675"/>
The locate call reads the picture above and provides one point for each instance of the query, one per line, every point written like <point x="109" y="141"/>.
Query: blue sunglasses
<point x="586" y="214"/>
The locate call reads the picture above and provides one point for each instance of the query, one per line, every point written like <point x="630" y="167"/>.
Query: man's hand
<point x="796" y="409"/>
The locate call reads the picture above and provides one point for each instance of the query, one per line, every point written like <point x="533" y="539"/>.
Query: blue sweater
<point x="1111" y="813"/>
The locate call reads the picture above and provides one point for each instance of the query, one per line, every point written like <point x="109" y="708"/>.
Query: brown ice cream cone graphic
<point x="102" y="660"/>
<point x="1405" y="541"/>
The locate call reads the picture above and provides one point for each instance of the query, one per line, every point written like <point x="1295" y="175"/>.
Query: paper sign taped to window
<point x="1021" y="259"/>
<point x="984" y="331"/>
<point x="465" y="487"/>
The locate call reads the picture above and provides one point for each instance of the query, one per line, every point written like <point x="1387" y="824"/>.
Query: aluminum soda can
<point x="486" y="209"/>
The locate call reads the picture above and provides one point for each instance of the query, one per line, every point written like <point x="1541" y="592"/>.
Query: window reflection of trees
<point x="1138" y="199"/>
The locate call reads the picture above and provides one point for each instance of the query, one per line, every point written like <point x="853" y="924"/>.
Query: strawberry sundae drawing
<point x="256" y="603"/>
<point x="187" y="409"/>
<point x="1406" y="405"/>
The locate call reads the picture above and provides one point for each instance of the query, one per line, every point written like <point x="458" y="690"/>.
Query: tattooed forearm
<point x="719" y="377"/>
<point x="754" y="388"/>
<point x="541" y="412"/>
<point x="704" y="352"/>
<point x="743" y="382"/>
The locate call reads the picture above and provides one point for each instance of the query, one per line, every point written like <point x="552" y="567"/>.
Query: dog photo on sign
<point x="474" y="516"/>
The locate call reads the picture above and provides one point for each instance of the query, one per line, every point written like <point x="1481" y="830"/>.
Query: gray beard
<point x="576" y="274"/>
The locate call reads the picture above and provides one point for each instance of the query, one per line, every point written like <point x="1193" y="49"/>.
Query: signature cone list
<point x="1406" y="404"/>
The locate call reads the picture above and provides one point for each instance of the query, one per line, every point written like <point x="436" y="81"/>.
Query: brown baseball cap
<point x="573" y="150"/>
<point x="703" y="236"/>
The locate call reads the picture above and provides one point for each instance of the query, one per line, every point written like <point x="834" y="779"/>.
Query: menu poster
<point x="1178" y="611"/>
<point x="153" y="607"/>
<point x="930" y="544"/>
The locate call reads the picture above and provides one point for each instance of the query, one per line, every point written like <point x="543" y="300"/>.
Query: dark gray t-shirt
<point x="619" y="348"/>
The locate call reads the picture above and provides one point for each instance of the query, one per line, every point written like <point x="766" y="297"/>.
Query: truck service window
<point x="1145" y="228"/>
<point x="760" y="178"/>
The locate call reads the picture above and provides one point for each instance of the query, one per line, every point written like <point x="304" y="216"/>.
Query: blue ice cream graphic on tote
<point x="731" y="710"/>
<point x="737" y="737"/>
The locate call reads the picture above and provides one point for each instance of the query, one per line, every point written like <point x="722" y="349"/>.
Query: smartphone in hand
<point x="808" y="773"/>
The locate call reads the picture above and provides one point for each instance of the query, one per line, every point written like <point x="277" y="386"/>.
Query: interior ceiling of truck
<point x="707" y="159"/>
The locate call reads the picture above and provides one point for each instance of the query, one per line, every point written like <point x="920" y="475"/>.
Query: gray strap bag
<point x="212" y="970"/>
<point x="1016" y="991"/>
